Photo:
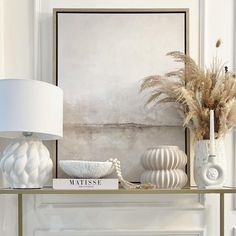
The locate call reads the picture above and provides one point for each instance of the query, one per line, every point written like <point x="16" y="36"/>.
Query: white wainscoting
<point x="120" y="233"/>
<point x="116" y="215"/>
<point x="8" y="215"/>
<point x="189" y="202"/>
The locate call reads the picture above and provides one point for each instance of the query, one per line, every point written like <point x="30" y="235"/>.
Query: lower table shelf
<point x="192" y="190"/>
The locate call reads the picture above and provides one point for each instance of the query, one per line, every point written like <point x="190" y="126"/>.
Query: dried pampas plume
<point x="197" y="91"/>
<point x="218" y="43"/>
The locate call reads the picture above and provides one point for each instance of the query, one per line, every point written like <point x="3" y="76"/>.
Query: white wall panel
<point x="46" y="22"/>
<point x="8" y="215"/>
<point x="18" y="39"/>
<point x="125" y="214"/>
<point x="26" y="52"/>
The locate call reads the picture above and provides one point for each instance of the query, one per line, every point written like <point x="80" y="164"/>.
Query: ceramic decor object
<point x="26" y="164"/>
<point x="165" y="167"/>
<point x="175" y="178"/>
<point x="209" y="171"/>
<point x="86" y="169"/>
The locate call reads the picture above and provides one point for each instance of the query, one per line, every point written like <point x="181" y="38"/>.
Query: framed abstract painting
<point x="100" y="59"/>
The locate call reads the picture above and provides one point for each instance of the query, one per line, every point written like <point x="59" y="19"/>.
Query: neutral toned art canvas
<point x="101" y="58"/>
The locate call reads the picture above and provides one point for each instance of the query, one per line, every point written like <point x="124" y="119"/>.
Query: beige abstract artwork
<point x="101" y="61"/>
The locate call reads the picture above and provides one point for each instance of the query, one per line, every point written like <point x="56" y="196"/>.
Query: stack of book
<point x="86" y="184"/>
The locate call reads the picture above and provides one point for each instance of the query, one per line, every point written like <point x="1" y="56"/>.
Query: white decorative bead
<point x="26" y="164"/>
<point x="164" y="167"/>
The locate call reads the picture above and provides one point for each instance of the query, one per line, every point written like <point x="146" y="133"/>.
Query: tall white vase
<point x="209" y="172"/>
<point x="164" y="167"/>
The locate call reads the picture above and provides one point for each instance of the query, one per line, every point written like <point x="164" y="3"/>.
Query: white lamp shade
<point x="30" y="106"/>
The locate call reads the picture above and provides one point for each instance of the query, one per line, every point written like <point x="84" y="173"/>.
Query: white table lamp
<point x="30" y="111"/>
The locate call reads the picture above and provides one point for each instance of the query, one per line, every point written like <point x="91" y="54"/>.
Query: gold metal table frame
<point x="192" y="190"/>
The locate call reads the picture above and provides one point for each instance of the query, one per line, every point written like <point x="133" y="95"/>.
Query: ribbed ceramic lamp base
<point x="26" y="164"/>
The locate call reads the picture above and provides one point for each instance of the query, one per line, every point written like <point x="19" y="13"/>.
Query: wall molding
<point x="37" y="39"/>
<point x="234" y="130"/>
<point x="38" y="10"/>
<point x="234" y="40"/>
<point x="202" y="32"/>
<point x="2" y="49"/>
<point x="73" y="232"/>
<point x="234" y="164"/>
<point x="38" y="66"/>
<point x="189" y="202"/>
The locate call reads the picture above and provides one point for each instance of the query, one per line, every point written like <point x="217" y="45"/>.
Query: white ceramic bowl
<point x="86" y="169"/>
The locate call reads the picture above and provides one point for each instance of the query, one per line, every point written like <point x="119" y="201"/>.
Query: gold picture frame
<point x="58" y="11"/>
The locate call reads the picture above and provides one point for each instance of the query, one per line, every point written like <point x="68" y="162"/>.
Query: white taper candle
<point x="212" y="133"/>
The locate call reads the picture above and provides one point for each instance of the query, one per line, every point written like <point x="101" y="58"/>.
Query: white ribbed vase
<point x="208" y="172"/>
<point x="164" y="167"/>
<point x="26" y="164"/>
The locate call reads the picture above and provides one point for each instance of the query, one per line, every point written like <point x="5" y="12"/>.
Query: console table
<point x="192" y="190"/>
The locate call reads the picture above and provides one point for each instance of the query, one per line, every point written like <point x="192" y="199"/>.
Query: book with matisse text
<point x="86" y="184"/>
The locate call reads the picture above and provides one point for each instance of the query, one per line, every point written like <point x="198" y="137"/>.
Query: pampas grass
<point x="196" y="91"/>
